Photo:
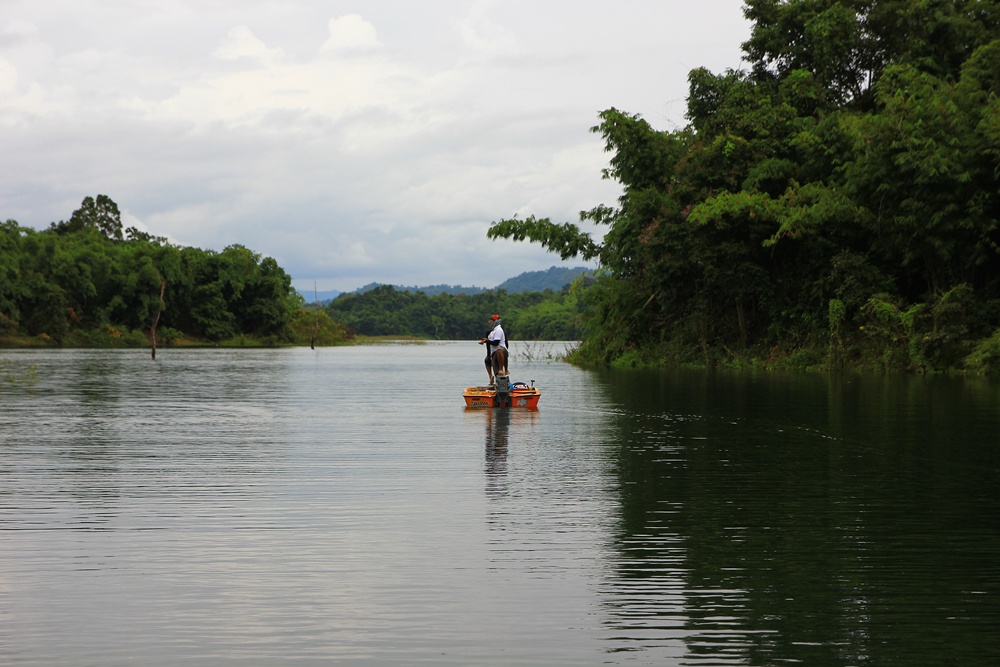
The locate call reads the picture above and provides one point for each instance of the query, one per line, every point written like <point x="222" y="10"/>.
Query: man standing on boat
<point x="496" y="349"/>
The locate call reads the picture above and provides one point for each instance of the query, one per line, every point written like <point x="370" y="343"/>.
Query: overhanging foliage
<point x="853" y="168"/>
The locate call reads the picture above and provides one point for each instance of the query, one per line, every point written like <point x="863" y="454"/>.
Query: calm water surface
<point x="341" y="507"/>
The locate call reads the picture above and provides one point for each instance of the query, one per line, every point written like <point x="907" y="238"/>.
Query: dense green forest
<point x="387" y="311"/>
<point x="836" y="203"/>
<point x="87" y="282"/>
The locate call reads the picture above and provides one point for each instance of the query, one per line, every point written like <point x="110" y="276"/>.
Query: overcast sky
<point x="353" y="141"/>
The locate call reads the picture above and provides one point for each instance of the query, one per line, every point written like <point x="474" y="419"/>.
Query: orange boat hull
<point x="486" y="397"/>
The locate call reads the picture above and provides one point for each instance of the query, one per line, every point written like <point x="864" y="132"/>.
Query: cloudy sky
<point x="353" y="141"/>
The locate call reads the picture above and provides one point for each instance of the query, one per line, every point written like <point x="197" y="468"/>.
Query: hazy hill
<point x="323" y="296"/>
<point x="554" y="278"/>
<point x="429" y="290"/>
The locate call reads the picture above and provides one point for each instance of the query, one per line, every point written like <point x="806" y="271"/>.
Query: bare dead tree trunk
<point x="312" y="342"/>
<point x="156" y="320"/>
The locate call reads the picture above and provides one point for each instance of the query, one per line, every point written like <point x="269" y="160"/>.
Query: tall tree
<point x="101" y="214"/>
<point x="855" y="161"/>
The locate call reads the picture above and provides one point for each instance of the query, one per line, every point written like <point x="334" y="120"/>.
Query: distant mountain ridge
<point x="553" y="278"/>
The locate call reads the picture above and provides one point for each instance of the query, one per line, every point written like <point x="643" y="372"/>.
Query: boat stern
<point x="519" y="395"/>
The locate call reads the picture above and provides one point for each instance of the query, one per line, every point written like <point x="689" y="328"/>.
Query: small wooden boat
<point x="503" y="394"/>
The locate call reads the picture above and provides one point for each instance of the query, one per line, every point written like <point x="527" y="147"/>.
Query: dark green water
<point x="341" y="507"/>
<point x="821" y="521"/>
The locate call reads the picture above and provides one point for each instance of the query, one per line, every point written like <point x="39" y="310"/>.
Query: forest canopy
<point x="835" y="203"/>
<point x="88" y="282"/>
<point x="536" y="315"/>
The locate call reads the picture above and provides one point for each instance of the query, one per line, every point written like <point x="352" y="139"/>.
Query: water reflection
<point x="116" y="430"/>
<point x="498" y="426"/>
<point x="752" y="536"/>
<point x="282" y="506"/>
<point x="497" y="436"/>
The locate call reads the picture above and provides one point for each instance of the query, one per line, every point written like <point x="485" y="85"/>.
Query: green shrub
<point x="985" y="357"/>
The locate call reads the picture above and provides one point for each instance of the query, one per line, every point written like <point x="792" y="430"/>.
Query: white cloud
<point x="17" y="31"/>
<point x="373" y="89"/>
<point x="8" y="77"/>
<point x="17" y="103"/>
<point x="240" y="42"/>
<point x="351" y="33"/>
<point x="352" y="147"/>
<point x="484" y="36"/>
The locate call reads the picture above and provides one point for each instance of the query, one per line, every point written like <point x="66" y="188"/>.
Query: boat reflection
<point x="497" y="441"/>
<point x="498" y="423"/>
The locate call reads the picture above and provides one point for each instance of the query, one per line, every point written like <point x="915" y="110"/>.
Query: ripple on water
<point x="341" y="506"/>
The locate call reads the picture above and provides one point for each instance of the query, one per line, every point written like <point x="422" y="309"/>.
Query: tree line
<point x="88" y="282"/>
<point x="387" y="311"/>
<point x="836" y="203"/>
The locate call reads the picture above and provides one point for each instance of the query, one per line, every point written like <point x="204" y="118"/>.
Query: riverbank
<point x="978" y="358"/>
<point x="121" y="341"/>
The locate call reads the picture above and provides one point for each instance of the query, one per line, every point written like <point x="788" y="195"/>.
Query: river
<point x="340" y="506"/>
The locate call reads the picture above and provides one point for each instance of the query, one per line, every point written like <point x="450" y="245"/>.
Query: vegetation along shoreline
<point x="835" y="205"/>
